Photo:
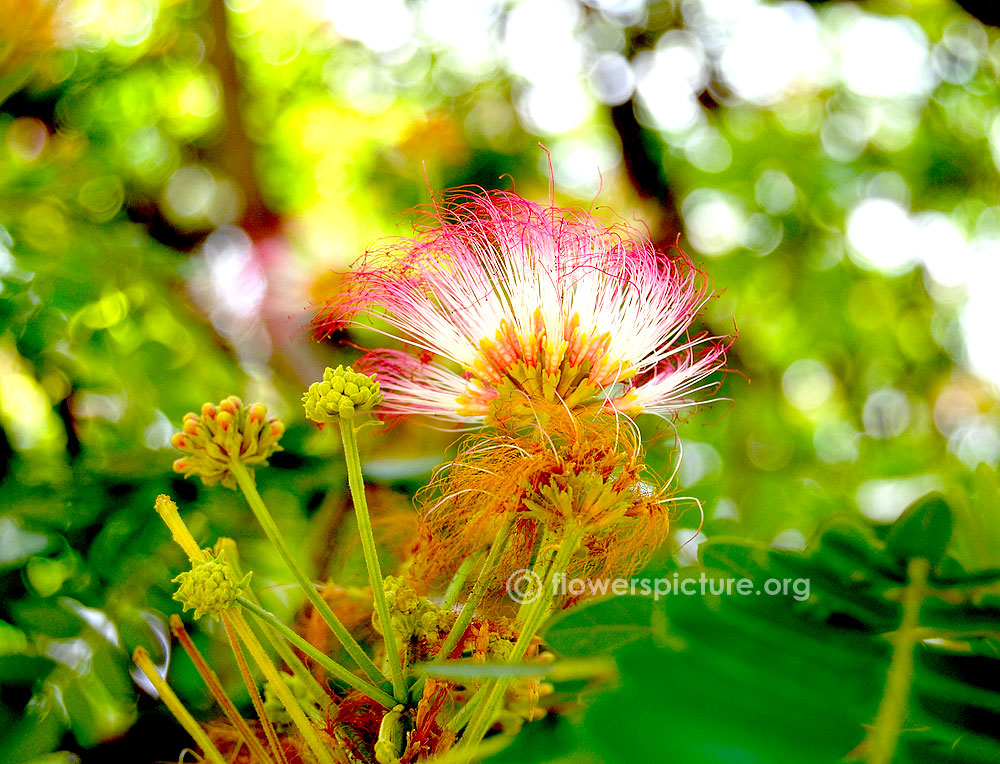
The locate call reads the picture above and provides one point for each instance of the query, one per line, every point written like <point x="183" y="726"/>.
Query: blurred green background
<point x="180" y="181"/>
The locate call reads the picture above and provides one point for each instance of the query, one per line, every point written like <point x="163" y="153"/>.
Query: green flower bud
<point x="275" y="708"/>
<point x="410" y="613"/>
<point x="434" y="624"/>
<point x="391" y="737"/>
<point x="499" y="649"/>
<point x="209" y="587"/>
<point x="13" y="641"/>
<point x="342" y="394"/>
<point x="400" y="597"/>
<point x="223" y="433"/>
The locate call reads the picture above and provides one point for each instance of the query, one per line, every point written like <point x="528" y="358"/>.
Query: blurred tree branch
<point x="646" y="173"/>
<point x="234" y="153"/>
<point x="640" y="156"/>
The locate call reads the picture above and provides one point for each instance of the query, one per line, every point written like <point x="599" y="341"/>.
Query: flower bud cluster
<point x="223" y="434"/>
<point x="413" y="615"/>
<point x="342" y="394"/>
<point x="210" y="587"/>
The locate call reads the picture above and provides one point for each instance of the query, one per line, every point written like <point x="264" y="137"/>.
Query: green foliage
<point x="923" y="530"/>
<point x="721" y="678"/>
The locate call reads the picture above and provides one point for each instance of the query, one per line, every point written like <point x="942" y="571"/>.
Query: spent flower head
<point x="585" y="475"/>
<point x="225" y="433"/>
<point x="210" y="587"/>
<point x="342" y="394"/>
<point x="554" y="302"/>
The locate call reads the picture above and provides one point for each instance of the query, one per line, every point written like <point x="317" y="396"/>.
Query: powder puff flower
<point x="499" y="292"/>
<point x="585" y="475"/>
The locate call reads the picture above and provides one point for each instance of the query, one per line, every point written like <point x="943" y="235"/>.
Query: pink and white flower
<point x="499" y="291"/>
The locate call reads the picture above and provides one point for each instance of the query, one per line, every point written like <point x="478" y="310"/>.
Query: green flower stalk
<point x="211" y="679"/>
<point x="332" y="667"/>
<point x="280" y="688"/>
<point x="222" y="434"/>
<point x="227" y="546"/>
<point x="212" y="587"/>
<point x="172" y="702"/>
<point x="249" y="488"/>
<point x="223" y="444"/>
<point x="342" y="395"/>
<point x="484" y="706"/>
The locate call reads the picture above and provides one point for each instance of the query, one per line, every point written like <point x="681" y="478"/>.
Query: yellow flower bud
<point x="342" y="394"/>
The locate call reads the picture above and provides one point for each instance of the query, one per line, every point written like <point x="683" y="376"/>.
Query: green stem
<point x="211" y="679"/>
<point x="458" y="582"/>
<point x="885" y="730"/>
<point x="357" y="483"/>
<point x="476" y="596"/>
<point x="280" y="646"/>
<point x="539" y="571"/>
<point x="546" y="554"/>
<point x="483" y="580"/>
<point x="251" y="685"/>
<point x="170" y="699"/>
<point x="458" y="722"/>
<point x="277" y="683"/>
<point x="256" y="503"/>
<point x="290" y="659"/>
<point x="494" y="689"/>
<point x="332" y="667"/>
